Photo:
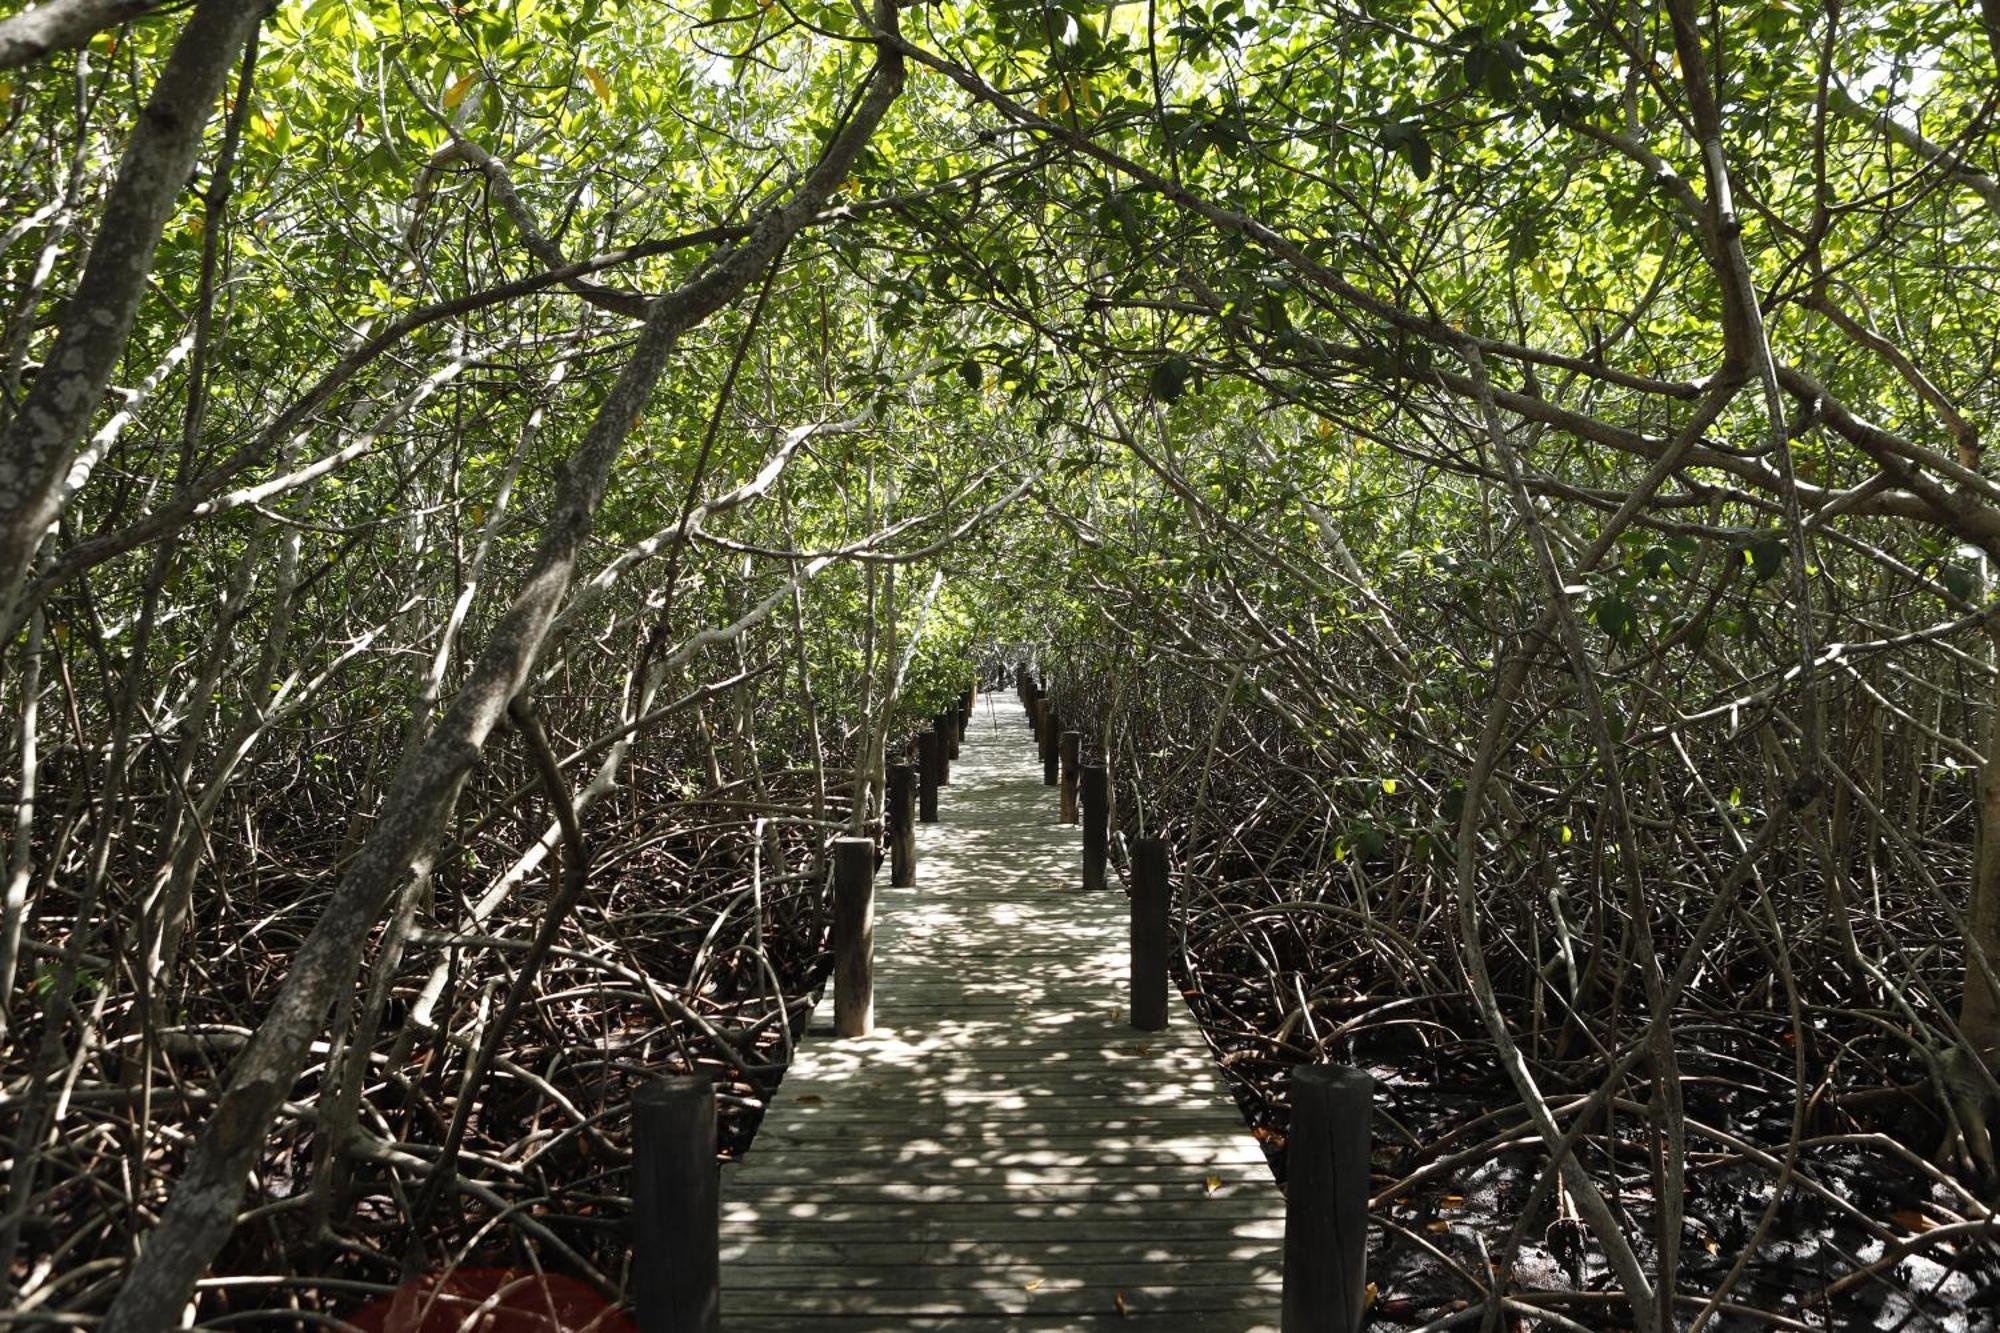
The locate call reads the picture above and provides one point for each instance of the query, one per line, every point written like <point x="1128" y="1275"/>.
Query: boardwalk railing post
<point x="1038" y="717"/>
<point x="853" y="936"/>
<point x="1096" y="824"/>
<point x="930" y="755"/>
<point x="676" y="1207"/>
<point x="1149" y="934"/>
<point x="948" y="720"/>
<point x="947" y="734"/>
<point x="1051" y="747"/>
<point x="1326" y="1199"/>
<point x="902" y="826"/>
<point x="1071" y="756"/>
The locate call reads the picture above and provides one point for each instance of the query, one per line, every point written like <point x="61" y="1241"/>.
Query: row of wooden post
<point x="1326" y="1196"/>
<point x="911" y="799"/>
<point x="676" y="1274"/>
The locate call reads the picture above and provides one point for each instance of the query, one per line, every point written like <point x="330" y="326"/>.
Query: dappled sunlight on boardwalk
<point x="1003" y="1150"/>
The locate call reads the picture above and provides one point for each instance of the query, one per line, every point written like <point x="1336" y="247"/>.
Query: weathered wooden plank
<point x="993" y="1296"/>
<point x="1181" y="1321"/>
<point x="996" y="1254"/>
<point x="969" y="1272"/>
<point x="1037" y="1226"/>
<point x="999" y="1121"/>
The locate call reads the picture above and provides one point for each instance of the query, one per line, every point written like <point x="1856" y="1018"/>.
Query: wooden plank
<point x="995" y="1296"/>
<point x="1003" y="1150"/>
<point x="1041" y="1227"/>
<point x="991" y="1253"/>
<point x="1181" y="1321"/>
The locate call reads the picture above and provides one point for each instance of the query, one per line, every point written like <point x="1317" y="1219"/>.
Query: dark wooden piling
<point x="676" y="1207"/>
<point x="1096" y="824"/>
<point x="902" y="818"/>
<point x="930" y="754"/>
<point x="1149" y="934"/>
<point x="853" y="936"/>
<point x="947" y="722"/>
<point x="1326" y="1199"/>
<point x="1070" y="756"/>
<point x="1051" y="749"/>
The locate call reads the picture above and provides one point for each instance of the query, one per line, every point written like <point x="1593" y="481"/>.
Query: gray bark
<point x="64" y="25"/>
<point x="36" y="454"/>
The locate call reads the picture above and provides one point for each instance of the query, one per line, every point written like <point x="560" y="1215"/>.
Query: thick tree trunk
<point x="202" y="1210"/>
<point x="36" y="455"/>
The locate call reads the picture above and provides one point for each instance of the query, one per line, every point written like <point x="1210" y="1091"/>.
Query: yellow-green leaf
<point x="456" y="93"/>
<point x="599" y="83"/>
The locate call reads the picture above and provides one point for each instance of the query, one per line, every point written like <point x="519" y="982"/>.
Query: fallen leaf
<point x="809" y="1098"/>
<point x="1452" y="1201"/>
<point x="1368" y="1295"/>
<point x="1212" y="1184"/>
<point x="1124" y="1310"/>
<point x="1911" y="1218"/>
<point x="1438" y="1226"/>
<point x="1033" y="1284"/>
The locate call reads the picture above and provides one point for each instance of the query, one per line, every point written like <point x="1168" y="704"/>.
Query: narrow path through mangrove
<point x="1004" y="1149"/>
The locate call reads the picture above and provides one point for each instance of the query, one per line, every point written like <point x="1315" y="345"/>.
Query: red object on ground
<point x="493" y="1300"/>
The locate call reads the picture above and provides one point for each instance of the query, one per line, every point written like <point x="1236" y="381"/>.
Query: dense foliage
<point x="484" y="488"/>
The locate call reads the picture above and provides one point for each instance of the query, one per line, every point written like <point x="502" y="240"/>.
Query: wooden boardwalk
<point x="1003" y="1151"/>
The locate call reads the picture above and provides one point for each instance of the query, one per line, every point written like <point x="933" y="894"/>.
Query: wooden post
<point x="1326" y="1199"/>
<point x="929" y="755"/>
<point x="948" y="736"/>
<point x="1051" y="748"/>
<point x="676" y="1207"/>
<point x="1072" y="755"/>
<point x="902" y="826"/>
<point x="1149" y="934"/>
<point x="1096" y="824"/>
<point x="1038" y="716"/>
<point x="853" y="936"/>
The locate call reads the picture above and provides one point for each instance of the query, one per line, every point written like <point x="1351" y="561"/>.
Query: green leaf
<point x="1406" y="139"/>
<point x="1616" y="617"/>
<point x="1169" y="378"/>
<point x="1766" y="556"/>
